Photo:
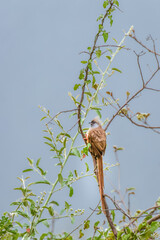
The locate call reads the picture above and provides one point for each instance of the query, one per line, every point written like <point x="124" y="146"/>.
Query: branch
<point x="140" y="43"/>
<point x="86" y="72"/>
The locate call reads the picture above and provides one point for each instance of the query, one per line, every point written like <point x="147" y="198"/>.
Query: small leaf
<point x="60" y="179"/>
<point x="71" y="192"/>
<point x="40" y="182"/>
<point x="87" y="167"/>
<point x="76" y="174"/>
<point x="99" y="113"/>
<point x="67" y="205"/>
<point x="105" y="36"/>
<point x="51" y="211"/>
<point x="30" y="161"/>
<point x="96" y="224"/>
<point x="83" y="62"/>
<point x="81" y="75"/>
<point x="38" y="161"/>
<point x="116" y="69"/>
<point x="45" y="222"/>
<point x="130" y="189"/>
<point x="72" y="218"/>
<point x="23" y="214"/>
<point x="88" y="93"/>
<point x="76" y="86"/>
<point x="49" y="139"/>
<point x="43" y="118"/>
<point x="86" y="224"/>
<point x="43" y="236"/>
<point x="108" y="57"/>
<point x="96" y="99"/>
<point x="76" y="152"/>
<point x="105" y="4"/>
<point x="27" y="170"/>
<point x="54" y="202"/>
<point x="50" y="144"/>
<point x="98" y="53"/>
<point x="81" y="234"/>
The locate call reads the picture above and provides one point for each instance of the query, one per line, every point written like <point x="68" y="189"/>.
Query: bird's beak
<point x="89" y="122"/>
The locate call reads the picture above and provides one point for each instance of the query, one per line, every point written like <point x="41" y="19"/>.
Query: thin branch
<point x="153" y="219"/>
<point x="65" y="111"/>
<point x="83" y="221"/>
<point x="86" y="72"/>
<point x="118" y="207"/>
<point x="112" y="45"/>
<point x="149" y="50"/>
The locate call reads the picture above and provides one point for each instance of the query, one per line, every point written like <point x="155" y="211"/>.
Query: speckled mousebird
<point x="96" y="136"/>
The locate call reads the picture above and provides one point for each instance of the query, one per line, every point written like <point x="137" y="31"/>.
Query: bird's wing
<point x="97" y="139"/>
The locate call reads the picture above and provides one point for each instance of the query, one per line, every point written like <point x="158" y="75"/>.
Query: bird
<point x="96" y="137"/>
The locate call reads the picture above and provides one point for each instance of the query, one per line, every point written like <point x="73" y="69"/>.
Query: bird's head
<point x="95" y="122"/>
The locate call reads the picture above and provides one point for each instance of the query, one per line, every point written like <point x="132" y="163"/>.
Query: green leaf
<point x="43" y="118"/>
<point x="46" y="223"/>
<point x="111" y="20"/>
<point x="83" y="62"/>
<point x="96" y="224"/>
<point x="87" y="167"/>
<point x="81" y="234"/>
<point x="105" y="36"/>
<point x="41" y="220"/>
<point x="109" y="58"/>
<point x="96" y="99"/>
<point x="154" y="226"/>
<point x="116" y="2"/>
<point x="96" y="108"/>
<point x="81" y="75"/>
<point x="49" y="139"/>
<point x="40" y="182"/>
<point x="71" y="192"/>
<point x="113" y="214"/>
<point x="43" y="236"/>
<point x="89" y="49"/>
<point x="76" y="174"/>
<point x="67" y="205"/>
<point x="88" y="93"/>
<point x="76" y="86"/>
<point x="116" y="69"/>
<point x="23" y="214"/>
<point x="33" y="209"/>
<point x="86" y="224"/>
<point x="99" y="113"/>
<point x="54" y="202"/>
<point x="51" y="211"/>
<point x="130" y="189"/>
<point x="76" y="152"/>
<point x="19" y="224"/>
<point x="72" y="218"/>
<point x="38" y="161"/>
<point x="30" y="161"/>
<point x="60" y="179"/>
<point x="98" y="53"/>
<point x="27" y="170"/>
<point x="50" y="144"/>
<point x="43" y="173"/>
<point x="105" y="4"/>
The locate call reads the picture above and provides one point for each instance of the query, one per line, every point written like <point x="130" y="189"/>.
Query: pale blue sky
<point x="40" y="43"/>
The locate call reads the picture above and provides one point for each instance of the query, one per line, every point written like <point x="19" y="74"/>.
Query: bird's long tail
<point x="101" y="181"/>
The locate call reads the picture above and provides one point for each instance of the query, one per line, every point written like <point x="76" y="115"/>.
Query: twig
<point x="83" y="221"/>
<point x="149" y="50"/>
<point x="118" y="207"/>
<point x="65" y="111"/>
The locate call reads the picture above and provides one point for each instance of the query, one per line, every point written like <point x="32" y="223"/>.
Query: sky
<point x="40" y="42"/>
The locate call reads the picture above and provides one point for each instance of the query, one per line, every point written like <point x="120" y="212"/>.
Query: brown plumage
<point x="96" y="136"/>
